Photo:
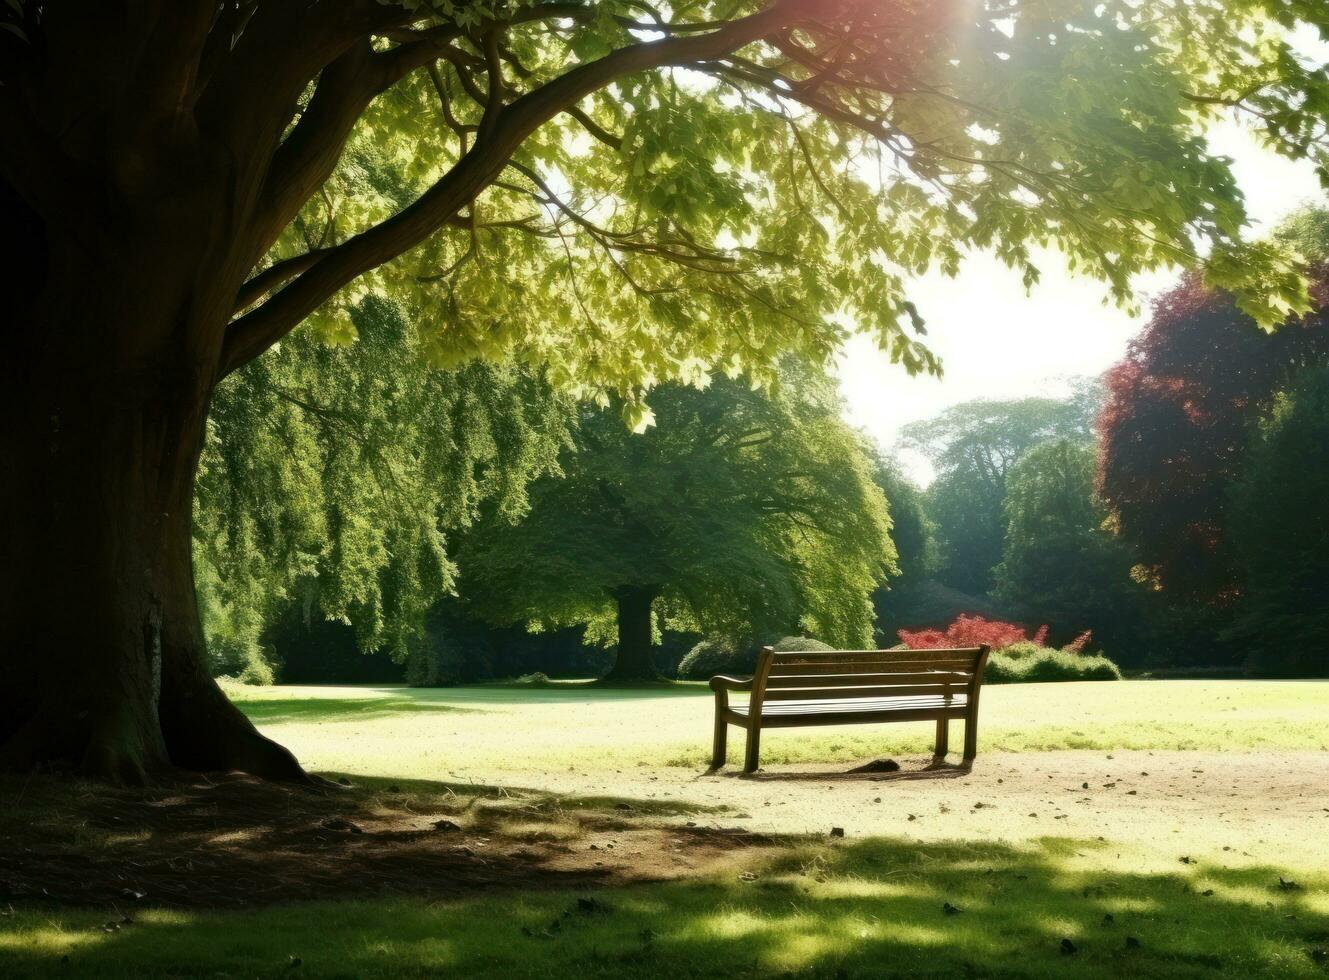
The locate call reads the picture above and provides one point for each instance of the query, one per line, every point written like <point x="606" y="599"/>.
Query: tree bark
<point x="105" y="671"/>
<point x="104" y="395"/>
<point x="634" y="661"/>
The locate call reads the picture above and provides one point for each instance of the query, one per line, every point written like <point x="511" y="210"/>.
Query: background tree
<point x="334" y="474"/>
<point x="737" y="513"/>
<point x="1060" y="566"/>
<point x="973" y="446"/>
<point x="624" y="192"/>
<point x="1176" y="424"/>
<point x="1280" y="533"/>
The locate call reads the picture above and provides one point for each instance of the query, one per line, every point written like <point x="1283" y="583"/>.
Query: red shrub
<point x="970" y="631"/>
<point x="1078" y="644"/>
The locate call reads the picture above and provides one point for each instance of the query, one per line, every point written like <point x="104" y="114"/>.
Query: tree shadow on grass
<point x="231" y="841"/>
<point x="877" y="908"/>
<point x="276" y="711"/>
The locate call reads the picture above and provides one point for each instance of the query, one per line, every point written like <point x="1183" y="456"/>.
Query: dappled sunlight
<point x="940" y="908"/>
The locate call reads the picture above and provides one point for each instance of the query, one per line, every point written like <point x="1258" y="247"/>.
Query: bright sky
<point x="997" y="342"/>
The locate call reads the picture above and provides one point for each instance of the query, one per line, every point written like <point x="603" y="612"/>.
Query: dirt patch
<point x="236" y="842"/>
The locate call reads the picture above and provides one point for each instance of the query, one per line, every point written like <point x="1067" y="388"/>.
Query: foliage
<point x="332" y="477"/>
<point x="1280" y="532"/>
<point x="711" y="657"/>
<point x="1017" y="666"/>
<point x="1059" y="564"/>
<point x="744" y="512"/>
<point x="973" y="447"/>
<point x="1176" y="423"/>
<point x="911" y="605"/>
<point x="971" y="631"/>
<point x="1016" y="657"/>
<point x="911" y="531"/>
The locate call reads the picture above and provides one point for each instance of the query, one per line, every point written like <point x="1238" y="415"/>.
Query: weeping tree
<point x="623" y="192"/>
<point x="336" y="476"/>
<point x="737" y="512"/>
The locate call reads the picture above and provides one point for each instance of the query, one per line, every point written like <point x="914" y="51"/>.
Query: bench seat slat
<point x="880" y="705"/>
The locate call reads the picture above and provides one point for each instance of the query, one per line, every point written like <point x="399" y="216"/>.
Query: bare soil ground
<point x="234" y="842"/>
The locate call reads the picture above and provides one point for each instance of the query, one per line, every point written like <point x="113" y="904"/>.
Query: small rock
<point x="837" y="831"/>
<point x="1068" y="948"/>
<point x="878" y="765"/>
<point x="446" y="825"/>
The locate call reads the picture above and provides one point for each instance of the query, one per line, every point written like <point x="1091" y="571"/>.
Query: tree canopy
<point x="333" y="478"/>
<point x="741" y="512"/>
<point x="974" y="446"/>
<point x="1178" y="418"/>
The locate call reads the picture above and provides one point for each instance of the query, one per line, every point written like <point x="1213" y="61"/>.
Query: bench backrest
<point x="811" y="675"/>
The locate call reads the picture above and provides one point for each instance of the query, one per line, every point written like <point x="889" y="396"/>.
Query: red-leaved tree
<point x="1174" y="429"/>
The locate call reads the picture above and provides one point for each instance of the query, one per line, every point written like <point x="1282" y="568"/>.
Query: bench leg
<point x="942" y="745"/>
<point x="720" y="747"/>
<point x="970" y="739"/>
<point x="752" y="759"/>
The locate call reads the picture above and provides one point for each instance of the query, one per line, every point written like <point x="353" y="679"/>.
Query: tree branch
<point x="257" y="330"/>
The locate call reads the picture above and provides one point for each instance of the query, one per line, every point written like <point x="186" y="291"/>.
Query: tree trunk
<point x="104" y="394"/>
<point x="634" y="661"/>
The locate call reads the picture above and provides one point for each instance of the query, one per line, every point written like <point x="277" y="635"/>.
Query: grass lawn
<point x="1144" y="828"/>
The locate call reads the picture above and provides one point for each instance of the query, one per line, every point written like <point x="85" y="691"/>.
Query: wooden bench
<point x="851" y="687"/>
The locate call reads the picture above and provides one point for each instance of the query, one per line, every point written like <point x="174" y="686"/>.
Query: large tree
<point x="1177" y="422"/>
<point x="737" y="513"/>
<point x="623" y="191"/>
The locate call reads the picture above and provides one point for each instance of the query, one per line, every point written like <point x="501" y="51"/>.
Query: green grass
<point x="488" y="728"/>
<point x="866" y="909"/>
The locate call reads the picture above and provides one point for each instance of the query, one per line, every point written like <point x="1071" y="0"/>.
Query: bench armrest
<point x="721" y="682"/>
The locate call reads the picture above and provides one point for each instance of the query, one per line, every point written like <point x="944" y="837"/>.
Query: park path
<point x="1271" y="802"/>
